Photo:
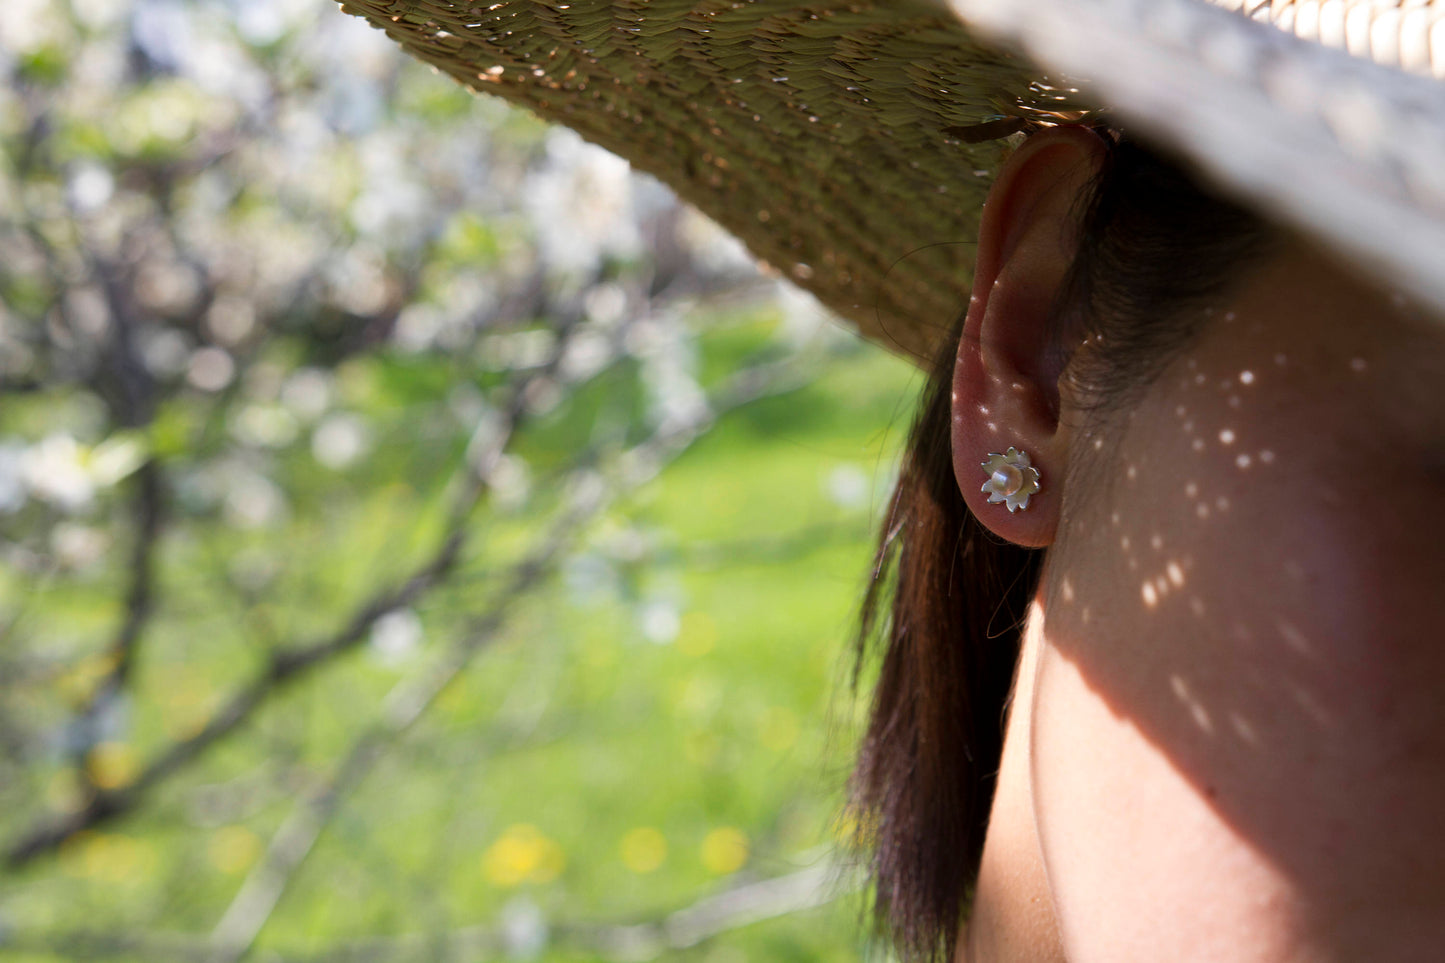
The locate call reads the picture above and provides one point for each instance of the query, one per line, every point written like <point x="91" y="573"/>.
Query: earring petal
<point x="1012" y="480"/>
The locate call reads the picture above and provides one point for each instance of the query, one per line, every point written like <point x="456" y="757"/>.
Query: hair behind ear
<point x="924" y="780"/>
<point x="948" y="598"/>
<point x="1156" y="244"/>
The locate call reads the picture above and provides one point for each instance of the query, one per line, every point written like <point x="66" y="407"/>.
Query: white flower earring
<point x="1011" y="479"/>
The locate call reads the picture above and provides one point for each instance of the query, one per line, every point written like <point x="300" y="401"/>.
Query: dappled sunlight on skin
<point x="1231" y="619"/>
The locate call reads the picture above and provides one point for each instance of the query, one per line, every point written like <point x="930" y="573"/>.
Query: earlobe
<point x="1005" y="384"/>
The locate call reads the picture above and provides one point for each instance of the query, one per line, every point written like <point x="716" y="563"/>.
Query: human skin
<point x="1227" y="739"/>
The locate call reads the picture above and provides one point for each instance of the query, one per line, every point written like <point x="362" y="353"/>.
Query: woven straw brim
<point x="825" y="136"/>
<point x="845" y="141"/>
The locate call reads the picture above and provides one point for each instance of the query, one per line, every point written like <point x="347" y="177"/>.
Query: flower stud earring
<point x="1011" y="479"/>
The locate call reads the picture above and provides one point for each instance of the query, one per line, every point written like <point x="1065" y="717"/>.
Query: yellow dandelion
<point x="643" y="849"/>
<point x="724" y="850"/>
<point x="108" y="857"/>
<point x="112" y="765"/>
<point x="233" y="849"/>
<point x="77" y="684"/>
<point x="523" y="854"/>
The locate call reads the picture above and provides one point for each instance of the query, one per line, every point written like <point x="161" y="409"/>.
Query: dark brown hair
<point x="947" y="599"/>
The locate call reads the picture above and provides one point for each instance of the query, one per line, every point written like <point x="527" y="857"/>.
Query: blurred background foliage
<point x="420" y="537"/>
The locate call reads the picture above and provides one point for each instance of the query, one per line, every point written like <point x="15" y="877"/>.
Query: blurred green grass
<point x="665" y="718"/>
<point x="662" y="720"/>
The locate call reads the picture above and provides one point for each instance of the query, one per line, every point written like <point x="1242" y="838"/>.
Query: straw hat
<point x="850" y="143"/>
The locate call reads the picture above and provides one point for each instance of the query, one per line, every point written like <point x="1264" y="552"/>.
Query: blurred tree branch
<point x="260" y="894"/>
<point x="226" y="242"/>
<point x="148" y="510"/>
<point x="285" y="665"/>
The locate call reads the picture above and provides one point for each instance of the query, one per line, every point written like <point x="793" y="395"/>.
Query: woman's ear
<point x="1006" y="379"/>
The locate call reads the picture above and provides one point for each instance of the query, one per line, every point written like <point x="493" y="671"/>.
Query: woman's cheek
<point x="1238" y="708"/>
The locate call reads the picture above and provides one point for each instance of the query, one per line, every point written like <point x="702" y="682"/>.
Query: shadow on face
<point x="1239" y="704"/>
